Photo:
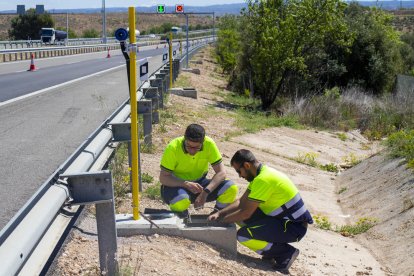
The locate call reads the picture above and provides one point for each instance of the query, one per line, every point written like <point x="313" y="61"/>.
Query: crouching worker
<point x="271" y="212"/>
<point x="184" y="167"/>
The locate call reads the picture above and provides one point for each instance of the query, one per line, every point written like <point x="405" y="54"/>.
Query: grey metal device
<point x="96" y="188"/>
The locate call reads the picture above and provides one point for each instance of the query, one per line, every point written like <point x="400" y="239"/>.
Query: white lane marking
<point x="57" y="86"/>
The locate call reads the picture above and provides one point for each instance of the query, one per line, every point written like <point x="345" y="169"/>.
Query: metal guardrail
<point x="19" y="238"/>
<point x="7" y="55"/>
<point x="19" y="44"/>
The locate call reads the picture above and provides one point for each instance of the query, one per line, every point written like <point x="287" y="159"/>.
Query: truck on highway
<point x="52" y="36"/>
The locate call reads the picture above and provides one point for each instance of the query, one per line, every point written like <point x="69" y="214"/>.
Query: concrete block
<point x="184" y="92"/>
<point x="192" y="70"/>
<point x="224" y="236"/>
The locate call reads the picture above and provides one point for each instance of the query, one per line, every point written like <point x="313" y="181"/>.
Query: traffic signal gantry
<point x="179" y="8"/>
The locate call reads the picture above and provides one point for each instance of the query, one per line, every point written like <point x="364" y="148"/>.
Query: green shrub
<point x="153" y="191"/>
<point x="401" y="144"/>
<point x="308" y="158"/>
<point x="362" y="226"/>
<point x="322" y="222"/>
<point x="331" y="167"/>
<point x="146" y="178"/>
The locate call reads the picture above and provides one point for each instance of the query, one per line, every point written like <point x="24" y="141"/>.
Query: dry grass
<point x="81" y="22"/>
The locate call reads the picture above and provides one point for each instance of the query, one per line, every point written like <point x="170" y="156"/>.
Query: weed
<point x="322" y="222"/>
<point x="252" y="121"/>
<point x="147" y="148"/>
<point x="401" y="144"/>
<point x="343" y="189"/>
<point x="351" y="159"/>
<point x="119" y="174"/>
<point x="342" y="136"/>
<point x="308" y="158"/>
<point x="153" y="191"/>
<point x="331" y="167"/>
<point x="182" y="81"/>
<point x="362" y="226"/>
<point x="146" y="178"/>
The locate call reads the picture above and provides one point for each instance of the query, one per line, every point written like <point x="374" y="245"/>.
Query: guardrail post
<point x="145" y="108"/>
<point x="166" y="71"/>
<point x="163" y="78"/>
<point x="96" y="188"/>
<point x="152" y="94"/>
<point x="157" y="82"/>
<point x="176" y="64"/>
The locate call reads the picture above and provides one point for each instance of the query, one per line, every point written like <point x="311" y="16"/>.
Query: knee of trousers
<point x="247" y="240"/>
<point x="180" y="205"/>
<point x="229" y="194"/>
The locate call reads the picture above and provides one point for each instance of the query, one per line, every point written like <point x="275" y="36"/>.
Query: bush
<point x="153" y="191"/>
<point x="401" y="144"/>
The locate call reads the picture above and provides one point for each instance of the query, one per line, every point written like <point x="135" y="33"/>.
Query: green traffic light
<point x="160" y="8"/>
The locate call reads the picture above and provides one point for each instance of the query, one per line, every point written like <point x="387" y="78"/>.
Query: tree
<point x="228" y="43"/>
<point x="375" y="57"/>
<point x="29" y="25"/>
<point x="283" y="36"/>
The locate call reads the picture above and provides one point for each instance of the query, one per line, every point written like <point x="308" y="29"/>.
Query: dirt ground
<point x="375" y="188"/>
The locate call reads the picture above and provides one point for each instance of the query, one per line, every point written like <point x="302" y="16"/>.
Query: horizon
<point x="97" y="4"/>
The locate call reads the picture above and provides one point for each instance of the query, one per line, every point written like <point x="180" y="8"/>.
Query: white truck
<point x="52" y="36"/>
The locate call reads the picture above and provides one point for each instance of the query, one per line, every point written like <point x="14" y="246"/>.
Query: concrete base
<point x="224" y="236"/>
<point x="184" y="92"/>
<point x="192" y="70"/>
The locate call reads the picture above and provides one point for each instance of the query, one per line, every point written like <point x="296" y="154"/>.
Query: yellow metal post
<point x="171" y="65"/>
<point x="134" y="113"/>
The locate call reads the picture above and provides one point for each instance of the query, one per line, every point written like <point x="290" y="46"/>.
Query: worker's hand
<point x="214" y="216"/>
<point x="193" y="187"/>
<point x="200" y="200"/>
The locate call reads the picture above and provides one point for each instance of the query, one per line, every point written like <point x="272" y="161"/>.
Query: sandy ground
<point x="386" y="249"/>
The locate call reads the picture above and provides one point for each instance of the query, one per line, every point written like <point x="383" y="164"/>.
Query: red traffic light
<point x="179" y="8"/>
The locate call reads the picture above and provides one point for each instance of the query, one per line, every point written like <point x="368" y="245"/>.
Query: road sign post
<point x="171" y="65"/>
<point x="134" y="114"/>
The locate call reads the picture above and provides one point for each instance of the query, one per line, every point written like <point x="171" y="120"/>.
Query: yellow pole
<point x="134" y="114"/>
<point x="171" y="65"/>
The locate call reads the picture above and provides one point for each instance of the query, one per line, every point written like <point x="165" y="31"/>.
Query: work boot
<point x="268" y="259"/>
<point x="284" y="265"/>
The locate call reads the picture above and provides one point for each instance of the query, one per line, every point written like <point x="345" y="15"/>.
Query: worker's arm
<point x="169" y="180"/>
<point x="238" y="211"/>
<point x="214" y="183"/>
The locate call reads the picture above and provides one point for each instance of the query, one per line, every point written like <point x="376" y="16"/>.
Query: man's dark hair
<point x="195" y="133"/>
<point x="242" y="156"/>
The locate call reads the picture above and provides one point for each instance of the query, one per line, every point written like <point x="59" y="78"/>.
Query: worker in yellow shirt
<point x="271" y="212"/>
<point x="184" y="167"/>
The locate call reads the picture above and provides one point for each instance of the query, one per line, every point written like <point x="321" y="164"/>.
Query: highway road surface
<point x="39" y="131"/>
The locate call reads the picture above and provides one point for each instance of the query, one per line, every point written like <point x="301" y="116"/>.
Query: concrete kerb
<point x="224" y="237"/>
<point x="184" y="92"/>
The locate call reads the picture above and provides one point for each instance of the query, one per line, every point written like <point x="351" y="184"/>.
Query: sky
<point x="74" y="4"/>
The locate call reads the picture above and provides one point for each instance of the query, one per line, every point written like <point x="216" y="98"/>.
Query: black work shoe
<point x="284" y="266"/>
<point x="184" y="214"/>
<point x="268" y="259"/>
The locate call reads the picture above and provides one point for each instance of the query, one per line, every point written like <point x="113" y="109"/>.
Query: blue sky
<point x="73" y="4"/>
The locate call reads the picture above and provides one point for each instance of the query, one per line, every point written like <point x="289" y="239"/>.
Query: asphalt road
<point x="40" y="132"/>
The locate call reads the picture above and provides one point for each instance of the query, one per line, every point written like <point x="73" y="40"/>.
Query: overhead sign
<point x="143" y="69"/>
<point x="165" y="57"/>
<point x="161" y="8"/>
<point x="179" y="8"/>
